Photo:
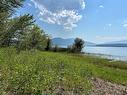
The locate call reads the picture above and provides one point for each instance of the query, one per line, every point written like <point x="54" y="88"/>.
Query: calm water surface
<point x="118" y="53"/>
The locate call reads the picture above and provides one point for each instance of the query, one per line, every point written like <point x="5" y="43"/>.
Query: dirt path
<point x="101" y="87"/>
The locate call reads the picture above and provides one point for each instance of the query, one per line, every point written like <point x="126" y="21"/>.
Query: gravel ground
<point x="101" y="87"/>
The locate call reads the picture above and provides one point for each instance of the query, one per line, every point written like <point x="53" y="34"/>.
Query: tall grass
<point x="47" y="73"/>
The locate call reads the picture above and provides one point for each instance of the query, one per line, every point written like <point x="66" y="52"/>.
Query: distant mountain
<point x="122" y="43"/>
<point x="89" y="44"/>
<point x="67" y="42"/>
<point x="119" y="42"/>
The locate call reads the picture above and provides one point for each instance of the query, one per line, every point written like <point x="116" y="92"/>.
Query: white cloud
<point x="82" y="3"/>
<point x="65" y="14"/>
<point x="110" y="25"/>
<point x="29" y="4"/>
<point x="101" y="6"/>
<point x="125" y="24"/>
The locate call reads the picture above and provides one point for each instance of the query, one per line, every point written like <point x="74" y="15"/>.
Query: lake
<point x="118" y="53"/>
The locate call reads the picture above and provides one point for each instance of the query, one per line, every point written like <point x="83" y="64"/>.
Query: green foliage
<point x="55" y="49"/>
<point x="8" y="26"/>
<point x="39" y="72"/>
<point x="77" y="46"/>
<point x="7" y="8"/>
<point x="10" y="5"/>
<point x="34" y="38"/>
<point x="48" y="73"/>
<point x="48" y="46"/>
<point x="21" y="31"/>
<point x="14" y="29"/>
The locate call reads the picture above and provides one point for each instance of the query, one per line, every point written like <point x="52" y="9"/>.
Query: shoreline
<point x="110" y="57"/>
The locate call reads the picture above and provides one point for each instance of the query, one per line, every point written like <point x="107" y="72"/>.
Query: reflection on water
<point x="118" y="53"/>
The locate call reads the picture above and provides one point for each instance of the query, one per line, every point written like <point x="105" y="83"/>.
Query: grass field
<point x="47" y="73"/>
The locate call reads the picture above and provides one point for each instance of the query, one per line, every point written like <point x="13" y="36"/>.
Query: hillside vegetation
<point x="36" y="72"/>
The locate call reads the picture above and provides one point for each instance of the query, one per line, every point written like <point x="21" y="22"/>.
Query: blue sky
<point x="92" y="20"/>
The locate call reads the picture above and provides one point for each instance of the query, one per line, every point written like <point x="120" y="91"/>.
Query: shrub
<point x="77" y="46"/>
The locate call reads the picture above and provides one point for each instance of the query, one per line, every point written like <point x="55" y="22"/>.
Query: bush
<point x="77" y="46"/>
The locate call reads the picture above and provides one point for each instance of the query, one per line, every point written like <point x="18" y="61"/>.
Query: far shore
<point x="110" y="57"/>
<point x="106" y="56"/>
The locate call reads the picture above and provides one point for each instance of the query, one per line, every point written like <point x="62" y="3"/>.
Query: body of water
<point x="118" y="53"/>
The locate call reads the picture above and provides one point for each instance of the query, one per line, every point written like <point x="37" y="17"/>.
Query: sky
<point x="92" y="20"/>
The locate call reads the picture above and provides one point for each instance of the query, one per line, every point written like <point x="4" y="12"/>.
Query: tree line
<point x="22" y="32"/>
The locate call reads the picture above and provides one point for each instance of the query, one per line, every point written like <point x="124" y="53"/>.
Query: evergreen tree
<point x="48" y="47"/>
<point x="14" y="29"/>
<point x="7" y="8"/>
